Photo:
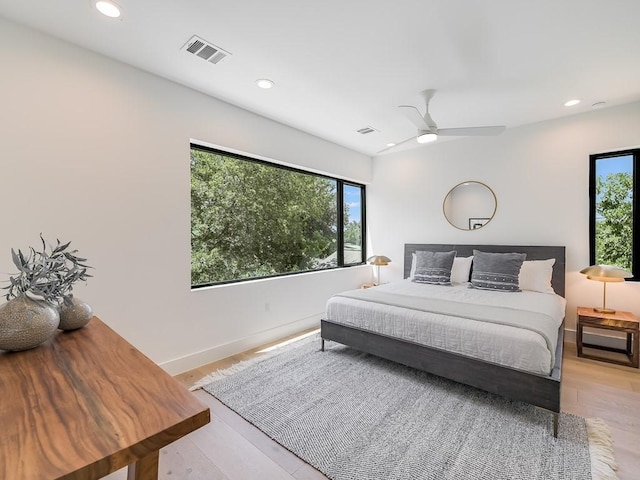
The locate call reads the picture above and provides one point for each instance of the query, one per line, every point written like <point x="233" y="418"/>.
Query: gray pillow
<point x="496" y="271"/>
<point x="434" y="267"/>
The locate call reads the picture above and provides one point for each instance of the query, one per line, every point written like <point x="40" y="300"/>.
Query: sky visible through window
<point x="352" y="199"/>
<point x="615" y="165"/>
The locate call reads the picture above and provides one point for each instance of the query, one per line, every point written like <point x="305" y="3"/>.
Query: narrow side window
<point x="613" y="210"/>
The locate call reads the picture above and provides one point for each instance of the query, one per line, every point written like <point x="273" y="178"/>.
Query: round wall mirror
<point x="470" y="205"/>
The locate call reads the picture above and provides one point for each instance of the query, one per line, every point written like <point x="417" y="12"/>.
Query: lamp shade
<point x="606" y="273"/>
<point x="378" y="260"/>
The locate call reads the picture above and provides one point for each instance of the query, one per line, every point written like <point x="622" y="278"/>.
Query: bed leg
<point x="322" y="345"/>
<point x="555" y="424"/>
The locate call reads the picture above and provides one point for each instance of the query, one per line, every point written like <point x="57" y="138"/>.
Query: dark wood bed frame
<point x="539" y="390"/>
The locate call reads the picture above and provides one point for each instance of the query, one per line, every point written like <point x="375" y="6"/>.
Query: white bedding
<point x="495" y="342"/>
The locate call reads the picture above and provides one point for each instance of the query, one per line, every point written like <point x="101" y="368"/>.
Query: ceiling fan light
<point x="427" y="137"/>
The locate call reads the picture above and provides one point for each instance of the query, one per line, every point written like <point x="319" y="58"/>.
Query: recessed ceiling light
<point x="571" y="103"/>
<point x="265" y="83"/>
<point x="598" y="105"/>
<point x="391" y="144"/>
<point x="108" y="8"/>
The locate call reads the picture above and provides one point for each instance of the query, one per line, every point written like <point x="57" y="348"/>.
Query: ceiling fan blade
<point x="397" y="145"/>
<point x="471" y="131"/>
<point x="414" y="116"/>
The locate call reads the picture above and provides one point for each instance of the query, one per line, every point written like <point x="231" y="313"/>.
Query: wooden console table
<point x="87" y="403"/>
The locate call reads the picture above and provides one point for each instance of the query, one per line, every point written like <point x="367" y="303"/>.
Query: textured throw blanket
<point x="539" y="323"/>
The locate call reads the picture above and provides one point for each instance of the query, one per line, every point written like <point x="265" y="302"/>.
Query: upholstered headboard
<point x="533" y="253"/>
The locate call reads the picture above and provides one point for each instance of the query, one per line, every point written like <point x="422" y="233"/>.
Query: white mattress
<point x="494" y="342"/>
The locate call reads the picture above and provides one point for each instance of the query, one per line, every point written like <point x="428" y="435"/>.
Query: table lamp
<point x="605" y="274"/>
<point x="378" y="260"/>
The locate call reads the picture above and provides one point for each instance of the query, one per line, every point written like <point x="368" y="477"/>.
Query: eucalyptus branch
<point x="49" y="274"/>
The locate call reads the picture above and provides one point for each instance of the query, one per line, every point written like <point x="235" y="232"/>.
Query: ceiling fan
<point x="428" y="130"/>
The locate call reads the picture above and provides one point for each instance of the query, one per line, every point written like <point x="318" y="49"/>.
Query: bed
<point x="537" y="385"/>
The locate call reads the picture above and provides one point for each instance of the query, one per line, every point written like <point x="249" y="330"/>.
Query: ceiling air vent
<point x="205" y="50"/>
<point x="366" y="130"/>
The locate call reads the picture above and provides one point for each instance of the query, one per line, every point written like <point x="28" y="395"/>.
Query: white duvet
<point x="508" y="345"/>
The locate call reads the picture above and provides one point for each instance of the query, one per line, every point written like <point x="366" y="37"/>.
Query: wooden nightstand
<point x="625" y="322"/>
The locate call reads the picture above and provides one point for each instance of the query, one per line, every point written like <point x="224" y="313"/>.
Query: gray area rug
<point x="356" y="416"/>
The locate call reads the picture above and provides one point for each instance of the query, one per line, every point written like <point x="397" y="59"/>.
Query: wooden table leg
<point x="144" y="469"/>
<point x="635" y="361"/>
<point x="579" y="338"/>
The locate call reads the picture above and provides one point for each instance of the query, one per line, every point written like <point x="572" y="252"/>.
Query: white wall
<point x="540" y="175"/>
<point x="97" y="152"/>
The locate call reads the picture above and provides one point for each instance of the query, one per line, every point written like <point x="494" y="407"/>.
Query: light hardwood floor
<point x="229" y="448"/>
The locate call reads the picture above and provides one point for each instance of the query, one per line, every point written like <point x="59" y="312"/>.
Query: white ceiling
<point x="340" y="65"/>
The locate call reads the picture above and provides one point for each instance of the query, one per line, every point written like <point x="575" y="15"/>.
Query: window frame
<point x="635" y="205"/>
<point x="340" y="221"/>
<point x="339" y="214"/>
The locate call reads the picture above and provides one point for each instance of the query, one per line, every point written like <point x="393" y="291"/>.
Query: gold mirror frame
<point x="471" y="222"/>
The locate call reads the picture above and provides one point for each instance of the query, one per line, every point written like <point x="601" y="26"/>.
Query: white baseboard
<point x="569" y="335"/>
<point x="213" y="354"/>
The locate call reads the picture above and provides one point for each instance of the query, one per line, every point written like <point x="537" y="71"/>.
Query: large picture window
<point x="254" y="219"/>
<point x="614" y="215"/>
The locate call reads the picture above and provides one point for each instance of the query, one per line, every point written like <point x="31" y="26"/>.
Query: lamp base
<point x="603" y="310"/>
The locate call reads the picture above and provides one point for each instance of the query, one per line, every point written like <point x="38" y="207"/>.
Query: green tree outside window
<point x="251" y="219"/>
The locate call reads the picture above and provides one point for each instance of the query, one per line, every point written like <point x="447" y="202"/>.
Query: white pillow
<point x="459" y="271"/>
<point x="535" y="275"/>
<point x="413" y="266"/>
